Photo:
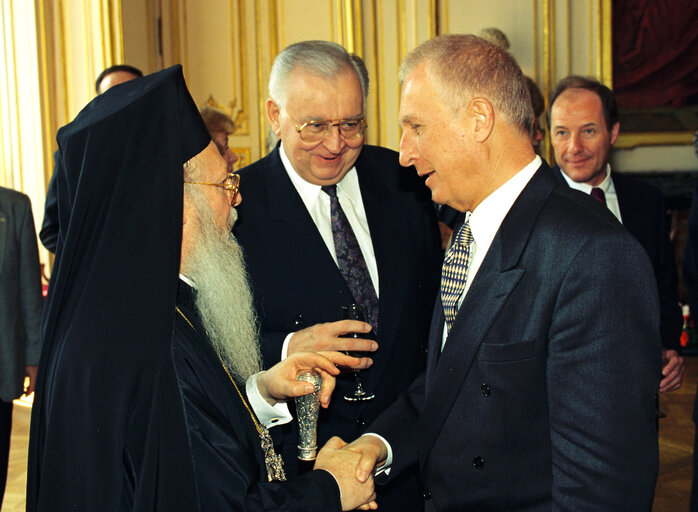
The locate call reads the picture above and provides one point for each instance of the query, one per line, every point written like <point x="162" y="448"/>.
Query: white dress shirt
<point x="486" y="219"/>
<point x="606" y="185"/>
<point x="317" y="203"/>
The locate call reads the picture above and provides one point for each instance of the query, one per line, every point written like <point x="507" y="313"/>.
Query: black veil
<point x="106" y="394"/>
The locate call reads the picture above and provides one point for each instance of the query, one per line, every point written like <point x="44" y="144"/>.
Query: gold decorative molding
<point x="351" y="26"/>
<point x="605" y="42"/>
<point x="238" y="110"/>
<point x="433" y="18"/>
<point x="47" y="110"/>
<point x="633" y="140"/>
<point x="379" y="49"/>
<point x="548" y="27"/>
<point x="243" y="156"/>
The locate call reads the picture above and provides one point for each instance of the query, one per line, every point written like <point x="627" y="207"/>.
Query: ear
<point x="614" y="133"/>
<point x="273" y="112"/>
<point x="481" y="112"/>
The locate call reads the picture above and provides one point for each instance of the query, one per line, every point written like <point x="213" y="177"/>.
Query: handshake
<point x="353" y="465"/>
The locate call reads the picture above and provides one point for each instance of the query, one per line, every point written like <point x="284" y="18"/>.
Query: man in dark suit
<point x="584" y="124"/>
<point x="294" y="242"/>
<point x="542" y="369"/>
<point x="20" y="310"/>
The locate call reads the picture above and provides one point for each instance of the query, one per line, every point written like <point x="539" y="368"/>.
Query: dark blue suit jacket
<point x="294" y="276"/>
<point x="644" y="215"/>
<point x="544" y="395"/>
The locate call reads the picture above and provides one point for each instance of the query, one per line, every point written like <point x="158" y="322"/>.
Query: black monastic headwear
<point x="105" y="377"/>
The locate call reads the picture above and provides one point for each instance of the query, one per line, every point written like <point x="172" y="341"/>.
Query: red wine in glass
<point x="359" y="393"/>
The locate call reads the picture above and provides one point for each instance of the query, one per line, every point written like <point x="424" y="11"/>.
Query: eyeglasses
<point x="230" y="184"/>
<point x="315" y="131"/>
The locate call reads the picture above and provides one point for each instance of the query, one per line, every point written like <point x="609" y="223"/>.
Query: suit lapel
<point x="497" y="277"/>
<point x="292" y="226"/>
<point x="389" y="240"/>
<point x="632" y="213"/>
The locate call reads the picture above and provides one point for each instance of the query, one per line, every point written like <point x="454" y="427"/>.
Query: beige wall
<point x="227" y="47"/>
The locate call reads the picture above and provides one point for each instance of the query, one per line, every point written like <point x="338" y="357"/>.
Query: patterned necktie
<point x="598" y="194"/>
<point x="350" y="259"/>
<point x="455" y="272"/>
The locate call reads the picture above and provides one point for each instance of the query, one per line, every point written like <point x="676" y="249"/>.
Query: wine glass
<point x="359" y="394"/>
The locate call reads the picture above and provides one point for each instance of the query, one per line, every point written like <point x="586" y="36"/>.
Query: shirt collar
<point x="309" y="192"/>
<point x="489" y="214"/>
<point x="606" y="185"/>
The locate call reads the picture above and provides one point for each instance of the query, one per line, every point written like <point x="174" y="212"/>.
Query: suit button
<point x="426" y="494"/>
<point x="360" y="422"/>
<point x="485" y="389"/>
<point x="478" y="462"/>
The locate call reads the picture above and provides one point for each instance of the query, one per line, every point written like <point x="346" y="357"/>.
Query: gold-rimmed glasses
<point x="230" y="184"/>
<point x="315" y="131"/>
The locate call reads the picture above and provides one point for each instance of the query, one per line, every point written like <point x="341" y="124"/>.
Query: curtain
<point x="655" y="52"/>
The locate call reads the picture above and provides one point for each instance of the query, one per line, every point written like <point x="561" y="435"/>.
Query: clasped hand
<point x="338" y="460"/>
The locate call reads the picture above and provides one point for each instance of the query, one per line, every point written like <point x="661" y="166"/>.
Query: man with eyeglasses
<point x="329" y="221"/>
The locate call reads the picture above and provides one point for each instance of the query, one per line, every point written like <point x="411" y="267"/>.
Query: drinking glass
<point x="359" y="393"/>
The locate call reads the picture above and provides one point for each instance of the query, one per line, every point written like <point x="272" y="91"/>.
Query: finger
<point x="347" y="326"/>
<point x="671" y="365"/>
<point x="340" y="359"/>
<point x="365" y="466"/>
<point x="354" y="345"/>
<point x="314" y="361"/>
<point x="335" y="443"/>
<point x="328" y="384"/>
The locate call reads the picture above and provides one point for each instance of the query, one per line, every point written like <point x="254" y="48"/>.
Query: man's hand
<point x="340" y="463"/>
<point x="326" y="336"/>
<point x="279" y="382"/>
<point x="30" y="371"/>
<point x="673" y="371"/>
<point x="373" y="454"/>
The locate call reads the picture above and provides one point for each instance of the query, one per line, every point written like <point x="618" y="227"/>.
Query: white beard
<point x="223" y="295"/>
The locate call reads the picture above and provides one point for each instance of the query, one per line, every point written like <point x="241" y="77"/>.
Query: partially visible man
<point x="584" y="124"/>
<point x="330" y="221"/>
<point x="219" y="125"/>
<point x="113" y="75"/>
<point x="20" y="310"/>
<point x="542" y="370"/>
<point x="149" y="393"/>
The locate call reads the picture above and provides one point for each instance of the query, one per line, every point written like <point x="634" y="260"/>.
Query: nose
<point x="407" y="151"/>
<point x="230" y="158"/>
<point x="575" y="143"/>
<point x="237" y="199"/>
<point x="334" y="141"/>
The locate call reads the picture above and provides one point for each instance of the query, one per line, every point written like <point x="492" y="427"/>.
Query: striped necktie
<point x="455" y="272"/>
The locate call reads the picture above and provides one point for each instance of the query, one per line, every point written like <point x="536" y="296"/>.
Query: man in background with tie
<point x="584" y="124"/>
<point x="542" y="369"/>
<point x="327" y="222"/>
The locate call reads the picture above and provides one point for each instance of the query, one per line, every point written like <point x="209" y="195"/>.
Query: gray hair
<point x="465" y="66"/>
<point x="322" y="58"/>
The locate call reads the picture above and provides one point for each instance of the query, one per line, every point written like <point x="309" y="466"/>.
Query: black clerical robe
<point x="225" y="449"/>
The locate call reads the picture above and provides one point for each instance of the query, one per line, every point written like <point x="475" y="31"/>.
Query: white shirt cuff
<point x="269" y="415"/>
<point x="385" y="468"/>
<point x="284" y="347"/>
